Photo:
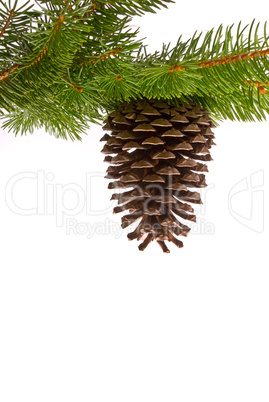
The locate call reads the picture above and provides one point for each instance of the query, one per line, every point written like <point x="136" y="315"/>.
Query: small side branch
<point x="7" y="23"/>
<point x="176" y="67"/>
<point x="234" y="58"/>
<point x="104" y="56"/>
<point x="258" y="85"/>
<point x="69" y="7"/>
<point x="44" y="51"/>
<point x="6" y="73"/>
<point x="72" y="85"/>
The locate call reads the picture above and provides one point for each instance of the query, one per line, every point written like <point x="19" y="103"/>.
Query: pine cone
<point x="157" y="151"/>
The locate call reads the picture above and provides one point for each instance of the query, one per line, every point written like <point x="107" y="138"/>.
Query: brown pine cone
<point x="157" y="151"/>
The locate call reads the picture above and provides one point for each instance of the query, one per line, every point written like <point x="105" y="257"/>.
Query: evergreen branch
<point x="234" y="58"/>
<point x="71" y="72"/>
<point x="69" y="7"/>
<point x="73" y="85"/>
<point x="93" y="8"/>
<point x="258" y="85"/>
<point x="7" y="23"/>
<point x="61" y="47"/>
<point x="227" y="59"/>
<point x="123" y="7"/>
<point x="42" y="53"/>
<point x="12" y="45"/>
<point x="45" y="49"/>
<point x="6" y="73"/>
<point x="104" y="56"/>
<point x="95" y="5"/>
<point x="223" y="77"/>
<point x="132" y="7"/>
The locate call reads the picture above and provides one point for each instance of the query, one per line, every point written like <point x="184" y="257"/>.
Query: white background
<point x="88" y="317"/>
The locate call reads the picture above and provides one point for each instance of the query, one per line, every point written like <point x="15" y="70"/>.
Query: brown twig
<point x="104" y="56"/>
<point x="72" y="85"/>
<point x="7" y="23"/>
<point x="234" y="58"/>
<point x="6" y="73"/>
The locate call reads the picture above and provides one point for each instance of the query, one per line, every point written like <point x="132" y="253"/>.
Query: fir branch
<point x="6" y="73"/>
<point x="7" y="23"/>
<point x="104" y="56"/>
<point x="71" y="72"/>
<point x="73" y="85"/>
<point x="42" y="53"/>
<point x="234" y="58"/>
<point x="221" y="78"/>
<point x="69" y="7"/>
<point x="132" y="7"/>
